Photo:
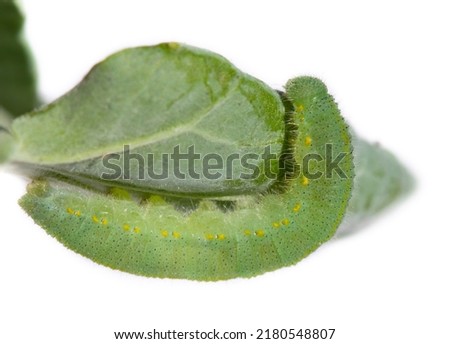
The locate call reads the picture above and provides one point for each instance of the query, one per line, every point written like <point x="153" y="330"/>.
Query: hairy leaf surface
<point x="159" y="100"/>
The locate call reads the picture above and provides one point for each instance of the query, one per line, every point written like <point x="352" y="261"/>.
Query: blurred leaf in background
<point x="17" y="78"/>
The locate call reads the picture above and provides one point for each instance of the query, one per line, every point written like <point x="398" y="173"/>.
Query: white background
<point x="387" y="64"/>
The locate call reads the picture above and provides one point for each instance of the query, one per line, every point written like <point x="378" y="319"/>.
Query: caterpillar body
<point x="155" y="98"/>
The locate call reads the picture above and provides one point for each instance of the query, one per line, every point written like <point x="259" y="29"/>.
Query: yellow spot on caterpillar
<point x="70" y="211"/>
<point x="78" y="213"/>
<point x="95" y="219"/>
<point x="220" y="236"/>
<point x="156" y="200"/>
<point x="304" y="181"/>
<point x="259" y="233"/>
<point x="308" y="140"/>
<point x="297" y="207"/>
<point x="173" y="45"/>
<point x="137" y="230"/>
<point x="165" y="233"/>
<point x="176" y="235"/>
<point x="285" y="222"/>
<point x="299" y="107"/>
<point x="247" y="232"/>
<point x="206" y="205"/>
<point x="209" y="236"/>
<point x="120" y="194"/>
<point x="126" y="227"/>
<point x="104" y="222"/>
<point x="276" y="225"/>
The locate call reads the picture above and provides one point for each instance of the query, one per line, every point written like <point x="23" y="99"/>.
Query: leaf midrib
<point x="144" y="141"/>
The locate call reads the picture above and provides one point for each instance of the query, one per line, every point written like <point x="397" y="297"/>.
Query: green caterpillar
<point x="237" y="224"/>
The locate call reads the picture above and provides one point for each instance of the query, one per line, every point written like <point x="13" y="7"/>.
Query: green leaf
<point x="17" y="79"/>
<point x="380" y="180"/>
<point x="156" y="99"/>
